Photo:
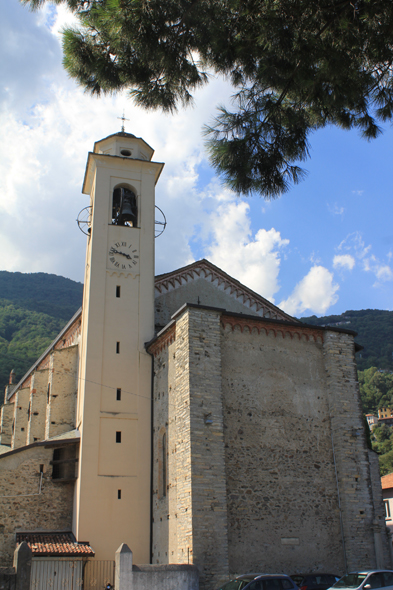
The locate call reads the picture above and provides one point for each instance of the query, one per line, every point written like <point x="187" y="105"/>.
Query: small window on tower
<point x="118" y="437"/>
<point x="119" y="494"/>
<point x="118" y="291"/>
<point x="118" y="394"/>
<point x="117" y="347"/>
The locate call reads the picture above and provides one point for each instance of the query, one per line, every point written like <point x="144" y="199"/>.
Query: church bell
<point x="124" y="207"/>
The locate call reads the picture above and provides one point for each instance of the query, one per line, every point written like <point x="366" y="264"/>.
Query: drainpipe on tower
<point x="151" y="451"/>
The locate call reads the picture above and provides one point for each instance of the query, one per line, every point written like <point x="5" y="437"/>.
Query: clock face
<point x="123" y="256"/>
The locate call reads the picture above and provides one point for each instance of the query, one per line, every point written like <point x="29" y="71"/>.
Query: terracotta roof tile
<point x="387" y="481"/>
<point x="61" y="544"/>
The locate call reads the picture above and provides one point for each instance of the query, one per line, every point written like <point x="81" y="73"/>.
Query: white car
<point x="366" y="580"/>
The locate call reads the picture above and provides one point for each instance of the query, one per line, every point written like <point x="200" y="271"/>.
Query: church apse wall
<point x="267" y="463"/>
<point x="281" y="484"/>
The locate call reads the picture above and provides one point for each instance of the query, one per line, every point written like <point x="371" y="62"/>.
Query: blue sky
<point x="324" y="247"/>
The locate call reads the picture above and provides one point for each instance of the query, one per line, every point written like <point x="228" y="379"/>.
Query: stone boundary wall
<point x="147" y="577"/>
<point x="7" y="578"/>
<point x="18" y="576"/>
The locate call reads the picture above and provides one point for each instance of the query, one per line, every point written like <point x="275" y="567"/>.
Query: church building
<point x="185" y="415"/>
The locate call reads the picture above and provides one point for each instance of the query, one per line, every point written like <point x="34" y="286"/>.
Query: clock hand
<point x="126" y="255"/>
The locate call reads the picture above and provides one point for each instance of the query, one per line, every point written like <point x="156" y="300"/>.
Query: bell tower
<point x="112" y="495"/>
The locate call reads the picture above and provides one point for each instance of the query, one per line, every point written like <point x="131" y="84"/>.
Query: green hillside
<point x="33" y="310"/>
<point x="375" y="333"/>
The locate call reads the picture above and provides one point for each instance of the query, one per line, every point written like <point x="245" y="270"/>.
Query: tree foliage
<point x="33" y="310"/>
<point x="296" y="66"/>
<point x="375" y="333"/>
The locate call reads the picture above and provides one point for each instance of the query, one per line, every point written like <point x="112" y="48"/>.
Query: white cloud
<point x="354" y="243"/>
<point x="384" y="273"/>
<point x="254" y="260"/>
<point x="335" y="209"/>
<point x="358" y="193"/>
<point x="49" y="125"/>
<point x="345" y="261"/>
<point x="316" y="292"/>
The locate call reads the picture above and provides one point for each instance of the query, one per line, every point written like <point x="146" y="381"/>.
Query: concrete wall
<point x="23" y="507"/>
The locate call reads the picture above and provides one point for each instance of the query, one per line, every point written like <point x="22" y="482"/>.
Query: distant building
<point x="371" y="420"/>
<point x="387" y="493"/>
<point x="384" y="413"/>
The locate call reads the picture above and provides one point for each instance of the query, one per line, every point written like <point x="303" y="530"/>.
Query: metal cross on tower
<point x="123" y="119"/>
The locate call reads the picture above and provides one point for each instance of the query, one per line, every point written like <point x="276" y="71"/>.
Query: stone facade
<point x="266" y="449"/>
<point x="31" y="499"/>
<point x="259" y="458"/>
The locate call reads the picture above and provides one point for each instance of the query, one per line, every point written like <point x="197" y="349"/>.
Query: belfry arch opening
<point x="124" y="207"/>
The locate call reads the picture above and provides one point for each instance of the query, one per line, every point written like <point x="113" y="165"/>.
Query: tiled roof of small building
<point x="60" y="544"/>
<point x="387" y="481"/>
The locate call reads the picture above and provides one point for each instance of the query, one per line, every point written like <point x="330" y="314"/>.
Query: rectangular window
<point x="118" y="394"/>
<point x="118" y="437"/>
<point x="119" y="494"/>
<point x="117" y="290"/>
<point x="387" y="508"/>
<point x="117" y="347"/>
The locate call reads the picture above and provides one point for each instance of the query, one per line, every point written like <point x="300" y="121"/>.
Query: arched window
<point x="124" y="207"/>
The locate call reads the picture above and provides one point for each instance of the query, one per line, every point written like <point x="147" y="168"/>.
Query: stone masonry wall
<point x="7" y="418"/>
<point x="60" y="414"/>
<point x="190" y="522"/>
<point x="23" y="506"/>
<point x="181" y="400"/>
<point x="283" y="512"/>
<point x="165" y="512"/>
<point x="209" y="505"/>
<point x="353" y="468"/>
<point x="38" y="395"/>
<point x="21" y="409"/>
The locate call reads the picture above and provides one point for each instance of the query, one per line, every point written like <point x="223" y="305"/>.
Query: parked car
<point x="315" y="581"/>
<point x="239" y="582"/>
<point x="260" y="582"/>
<point x="366" y="580"/>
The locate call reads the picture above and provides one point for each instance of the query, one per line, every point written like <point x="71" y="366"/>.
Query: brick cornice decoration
<point x="249" y="324"/>
<point x="163" y="341"/>
<point x="208" y="271"/>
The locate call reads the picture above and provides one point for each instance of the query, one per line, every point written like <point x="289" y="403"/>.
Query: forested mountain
<point x="33" y="309"/>
<point x="375" y="333"/>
